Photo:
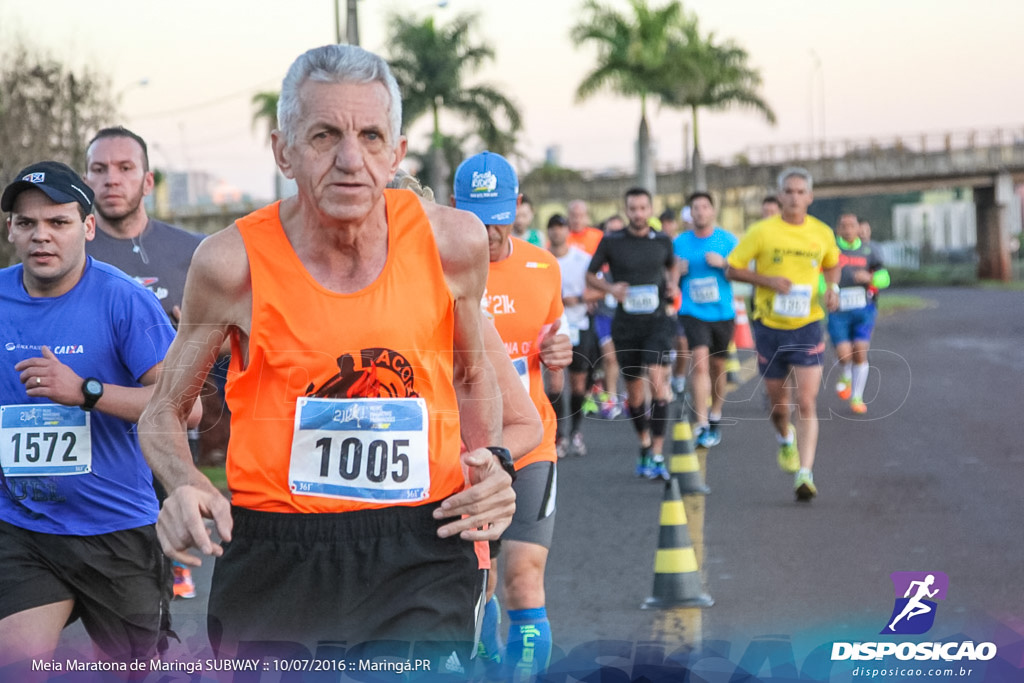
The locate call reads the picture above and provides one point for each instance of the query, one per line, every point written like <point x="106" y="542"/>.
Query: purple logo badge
<point x="914" y="609"/>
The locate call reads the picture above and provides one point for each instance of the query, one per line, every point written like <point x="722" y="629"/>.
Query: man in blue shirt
<point x="706" y="313"/>
<point x="83" y="343"/>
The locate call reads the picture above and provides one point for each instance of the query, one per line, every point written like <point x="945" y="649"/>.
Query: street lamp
<point x="141" y="83"/>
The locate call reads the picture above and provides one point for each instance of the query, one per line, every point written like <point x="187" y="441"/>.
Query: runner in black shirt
<point x="642" y="268"/>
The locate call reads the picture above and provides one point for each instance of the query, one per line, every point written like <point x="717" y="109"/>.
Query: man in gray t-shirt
<point x="156" y="254"/>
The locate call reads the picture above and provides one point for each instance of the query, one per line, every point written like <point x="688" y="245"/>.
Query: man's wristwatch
<point x="92" y="390"/>
<point x="505" y="458"/>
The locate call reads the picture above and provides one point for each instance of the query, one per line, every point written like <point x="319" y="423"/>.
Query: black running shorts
<point x="643" y="340"/>
<point x="587" y="354"/>
<point x="120" y="583"/>
<point x="352" y="577"/>
<point x="534" y="519"/>
<point x="715" y="335"/>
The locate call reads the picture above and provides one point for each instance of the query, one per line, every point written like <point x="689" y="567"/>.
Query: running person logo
<point x="914" y="609"/>
<point x="373" y="373"/>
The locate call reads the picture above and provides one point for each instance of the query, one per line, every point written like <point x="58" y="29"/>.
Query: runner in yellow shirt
<point x="790" y="250"/>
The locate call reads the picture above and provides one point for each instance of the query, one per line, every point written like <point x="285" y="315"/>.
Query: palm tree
<point x="264" y="115"/>
<point x="431" y="64"/>
<point x="705" y="74"/>
<point x="265" y="111"/>
<point x="631" y="59"/>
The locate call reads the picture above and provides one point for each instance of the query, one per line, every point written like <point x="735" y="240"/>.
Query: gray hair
<point x="336" y="64"/>
<point x="797" y="171"/>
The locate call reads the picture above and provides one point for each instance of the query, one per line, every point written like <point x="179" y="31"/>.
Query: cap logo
<point x="484" y="182"/>
<point x="36" y="177"/>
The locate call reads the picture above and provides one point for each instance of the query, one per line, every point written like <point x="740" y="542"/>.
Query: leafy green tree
<point x="703" y="73"/>
<point x="632" y="59"/>
<point x="48" y="111"/>
<point x="432" y="64"/>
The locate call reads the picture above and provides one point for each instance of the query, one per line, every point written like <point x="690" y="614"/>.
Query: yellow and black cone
<point x="732" y="365"/>
<point x="677" y="581"/>
<point x="683" y="464"/>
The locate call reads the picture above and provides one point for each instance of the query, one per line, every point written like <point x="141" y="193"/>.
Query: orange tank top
<point x="339" y="362"/>
<point x="523" y="298"/>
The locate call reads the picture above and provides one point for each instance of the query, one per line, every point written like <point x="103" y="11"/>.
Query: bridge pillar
<point x="992" y="206"/>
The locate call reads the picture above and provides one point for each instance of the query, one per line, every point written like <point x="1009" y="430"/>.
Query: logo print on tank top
<point x="373" y="373"/>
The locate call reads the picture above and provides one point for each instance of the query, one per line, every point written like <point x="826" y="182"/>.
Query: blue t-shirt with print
<point x="706" y="293"/>
<point x="108" y="327"/>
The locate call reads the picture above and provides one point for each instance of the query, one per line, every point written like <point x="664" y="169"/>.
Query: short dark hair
<point x="771" y="199"/>
<point x="637" y="192"/>
<point x="614" y="217"/>
<point x="698" y="195"/>
<point x="122" y="132"/>
<point x="558" y="219"/>
<point x="523" y="199"/>
<point x="668" y="215"/>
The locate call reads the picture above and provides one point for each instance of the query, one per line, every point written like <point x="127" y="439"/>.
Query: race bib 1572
<point x="45" y="439"/>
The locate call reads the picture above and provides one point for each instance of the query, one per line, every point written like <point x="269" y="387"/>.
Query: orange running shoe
<point x="857" y="406"/>
<point x="844" y="389"/>
<point x="184" y="586"/>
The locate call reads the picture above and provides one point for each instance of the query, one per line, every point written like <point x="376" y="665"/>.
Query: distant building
<point x="940" y="227"/>
<point x="189" y="189"/>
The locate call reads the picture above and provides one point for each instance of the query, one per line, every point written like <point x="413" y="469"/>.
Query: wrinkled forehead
<point x="334" y="102"/>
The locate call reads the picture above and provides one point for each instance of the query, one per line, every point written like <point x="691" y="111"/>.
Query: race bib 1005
<point x="45" y="439"/>
<point x="365" y="449"/>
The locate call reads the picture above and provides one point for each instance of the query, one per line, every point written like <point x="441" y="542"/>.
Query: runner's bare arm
<point x="779" y="284"/>
<point x="45" y="376"/>
<point x="521" y="429"/>
<point x="485" y="508"/>
<point x="217" y="302"/>
<point x="832" y="276"/>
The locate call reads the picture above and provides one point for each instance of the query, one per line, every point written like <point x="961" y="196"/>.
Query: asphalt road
<point x="929" y="480"/>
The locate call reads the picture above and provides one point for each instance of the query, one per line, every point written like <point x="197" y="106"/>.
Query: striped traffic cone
<point x="683" y="465"/>
<point x="742" y="336"/>
<point x="732" y="365"/>
<point x="677" y="581"/>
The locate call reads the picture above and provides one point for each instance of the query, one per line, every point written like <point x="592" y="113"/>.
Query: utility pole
<point x="337" y="23"/>
<point x="352" y="23"/>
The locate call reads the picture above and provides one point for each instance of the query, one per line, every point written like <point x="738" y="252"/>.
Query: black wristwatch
<point x="505" y="458"/>
<point x="92" y="390"/>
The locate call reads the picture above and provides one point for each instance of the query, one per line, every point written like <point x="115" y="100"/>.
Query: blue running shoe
<point x="708" y="437"/>
<point x="643" y="463"/>
<point x="657" y="469"/>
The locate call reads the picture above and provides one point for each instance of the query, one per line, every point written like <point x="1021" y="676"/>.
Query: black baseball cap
<point x="58" y="181"/>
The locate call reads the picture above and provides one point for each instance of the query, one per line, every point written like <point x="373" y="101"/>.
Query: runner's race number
<point x="39" y="439"/>
<point x="795" y="304"/>
<point x="365" y="449"/>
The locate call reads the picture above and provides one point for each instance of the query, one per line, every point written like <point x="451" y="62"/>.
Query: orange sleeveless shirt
<point x="390" y="340"/>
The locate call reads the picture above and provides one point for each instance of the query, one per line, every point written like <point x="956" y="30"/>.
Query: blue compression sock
<point x="529" y="643"/>
<point x="490" y="642"/>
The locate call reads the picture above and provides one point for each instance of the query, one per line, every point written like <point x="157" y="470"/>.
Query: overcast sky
<point x="887" y="67"/>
